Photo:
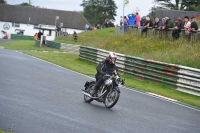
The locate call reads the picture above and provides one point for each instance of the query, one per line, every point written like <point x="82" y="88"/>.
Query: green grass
<point x="72" y="62"/>
<point x="179" y="52"/>
<point x="24" y="45"/>
<point x="86" y="37"/>
<point x="1" y="131"/>
<point x="198" y="24"/>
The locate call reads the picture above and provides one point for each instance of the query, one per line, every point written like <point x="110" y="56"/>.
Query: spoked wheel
<point x="86" y="98"/>
<point x="111" y="98"/>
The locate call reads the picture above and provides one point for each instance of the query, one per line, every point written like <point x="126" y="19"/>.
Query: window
<point x="15" y="25"/>
<point x="35" y="27"/>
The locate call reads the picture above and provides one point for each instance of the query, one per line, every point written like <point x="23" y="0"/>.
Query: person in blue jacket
<point x="132" y="19"/>
<point x="158" y="23"/>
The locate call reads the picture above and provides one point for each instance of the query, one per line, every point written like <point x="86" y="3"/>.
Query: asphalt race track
<point x="39" y="97"/>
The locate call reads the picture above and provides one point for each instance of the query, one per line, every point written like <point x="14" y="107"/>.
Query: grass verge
<point x="24" y="45"/>
<point x="72" y="62"/>
<point x="1" y="131"/>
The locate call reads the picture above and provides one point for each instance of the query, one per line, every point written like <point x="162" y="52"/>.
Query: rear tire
<point x="109" y="97"/>
<point x="86" y="98"/>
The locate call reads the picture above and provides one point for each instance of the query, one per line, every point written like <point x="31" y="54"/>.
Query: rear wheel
<point x="111" y="98"/>
<point x="86" y="98"/>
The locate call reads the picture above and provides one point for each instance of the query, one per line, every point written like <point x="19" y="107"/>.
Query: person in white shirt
<point x="121" y="20"/>
<point x="187" y="27"/>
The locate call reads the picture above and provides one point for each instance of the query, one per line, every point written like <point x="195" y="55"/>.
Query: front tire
<point x="111" y="98"/>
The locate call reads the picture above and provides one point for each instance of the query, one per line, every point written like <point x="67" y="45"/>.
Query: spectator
<point x="105" y="24"/>
<point x="87" y="27"/>
<point x="121" y="21"/>
<point x="109" y="24"/>
<point x="181" y="23"/>
<point x="169" y="23"/>
<point x="137" y="17"/>
<point x="187" y="27"/>
<point x="151" y="23"/>
<point x="158" y="23"/>
<point x="146" y="24"/>
<point x="176" y="30"/>
<point x="39" y="35"/>
<point x="75" y="36"/>
<point x="194" y="25"/>
<point x="132" y="19"/>
<point x="125" y="24"/>
<point x="163" y="24"/>
<point x="36" y="36"/>
<point x="5" y="36"/>
<point x="58" y="30"/>
<point x="98" y="26"/>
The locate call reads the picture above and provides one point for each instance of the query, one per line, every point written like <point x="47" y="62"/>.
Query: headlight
<point x="108" y="82"/>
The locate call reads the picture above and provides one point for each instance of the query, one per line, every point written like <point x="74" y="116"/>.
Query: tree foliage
<point x="96" y="11"/>
<point x="180" y="4"/>
<point x="25" y="4"/>
<point x="3" y="1"/>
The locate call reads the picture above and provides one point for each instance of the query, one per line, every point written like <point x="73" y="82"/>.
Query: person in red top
<point x="137" y="19"/>
<point x="5" y="36"/>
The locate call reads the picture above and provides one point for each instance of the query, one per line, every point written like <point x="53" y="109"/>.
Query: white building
<point x="25" y="19"/>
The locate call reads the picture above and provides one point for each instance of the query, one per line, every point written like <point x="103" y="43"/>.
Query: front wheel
<point x="111" y="98"/>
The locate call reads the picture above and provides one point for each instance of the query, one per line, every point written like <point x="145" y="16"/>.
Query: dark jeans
<point x="99" y="82"/>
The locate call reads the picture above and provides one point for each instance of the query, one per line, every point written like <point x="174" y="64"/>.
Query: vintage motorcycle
<point x="108" y="93"/>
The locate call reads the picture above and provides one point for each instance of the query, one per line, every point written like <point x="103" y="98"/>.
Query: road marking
<point x="131" y="89"/>
<point x="161" y="97"/>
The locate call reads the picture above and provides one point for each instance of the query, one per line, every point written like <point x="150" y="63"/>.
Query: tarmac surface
<point x="39" y="97"/>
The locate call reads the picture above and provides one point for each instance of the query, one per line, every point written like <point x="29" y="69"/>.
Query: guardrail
<point x="157" y="33"/>
<point x="181" y="78"/>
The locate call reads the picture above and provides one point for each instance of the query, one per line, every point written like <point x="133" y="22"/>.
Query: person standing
<point x="125" y="24"/>
<point x="137" y="17"/>
<point x="75" y="36"/>
<point x="194" y="25"/>
<point x="121" y="21"/>
<point x="187" y="27"/>
<point x="39" y="35"/>
<point x="131" y="19"/>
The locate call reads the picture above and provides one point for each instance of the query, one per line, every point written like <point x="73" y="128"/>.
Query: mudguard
<point x="117" y="88"/>
<point x="88" y="83"/>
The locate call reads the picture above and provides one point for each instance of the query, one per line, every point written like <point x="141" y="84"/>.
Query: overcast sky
<point x="74" y="5"/>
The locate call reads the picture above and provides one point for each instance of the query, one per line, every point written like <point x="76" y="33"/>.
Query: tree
<point x="179" y="4"/>
<point x="96" y="11"/>
<point x="3" y="1"/>
<point x="25" y="4"/>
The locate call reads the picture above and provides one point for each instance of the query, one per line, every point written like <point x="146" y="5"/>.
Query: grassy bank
<point x="72" y="62"/>
<point x="179" y="52"/>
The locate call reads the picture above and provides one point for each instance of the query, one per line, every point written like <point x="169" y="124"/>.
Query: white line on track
<point x="145" y="93"/>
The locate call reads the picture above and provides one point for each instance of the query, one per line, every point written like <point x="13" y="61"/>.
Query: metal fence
<point x="161" y="34"/>
<point x="181" y="78"/>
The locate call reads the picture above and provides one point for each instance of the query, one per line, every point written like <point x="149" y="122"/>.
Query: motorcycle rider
<point x="105" y="67"/>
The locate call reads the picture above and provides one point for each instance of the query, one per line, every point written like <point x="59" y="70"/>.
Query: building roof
<point x="173" y="14"/>
<point x="21" y="14"/>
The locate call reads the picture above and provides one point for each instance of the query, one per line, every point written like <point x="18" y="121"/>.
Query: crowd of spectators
<point x="187" y="23"/>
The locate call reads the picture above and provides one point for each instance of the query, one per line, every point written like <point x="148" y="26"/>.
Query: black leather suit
<point x="103" y="68"/>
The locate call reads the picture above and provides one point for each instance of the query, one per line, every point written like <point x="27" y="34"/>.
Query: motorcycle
<point x="108" y="93"/>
